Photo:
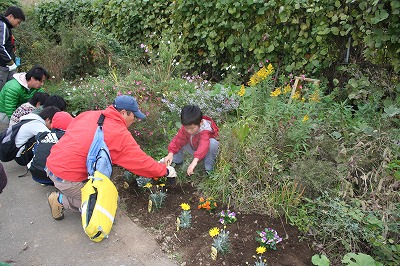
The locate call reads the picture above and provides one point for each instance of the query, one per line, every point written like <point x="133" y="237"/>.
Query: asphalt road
<point x="30" y="236"/>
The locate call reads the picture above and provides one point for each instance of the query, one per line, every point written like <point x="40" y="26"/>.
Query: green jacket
<point x="13" y="95"/>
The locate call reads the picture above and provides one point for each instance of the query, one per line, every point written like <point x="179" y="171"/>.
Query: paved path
<point x="30" y="236"/>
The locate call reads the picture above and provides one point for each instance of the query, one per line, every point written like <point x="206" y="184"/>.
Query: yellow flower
<point x="305" y="118"/>
<point x="162" y="185"/>
<point x="270" y="69"/>
<point x="242" y="91"/>
<point x="260" y="75"/>
<point x="148" y="185"/>
<point x="261" y="250"/>
<point x="214" y="231"/>
<point x="185" y="206"/>
<point x="296" y="95"/>
<point x="315" y="97"/>
<point x="287" y="89"/>
<point x="276" y="92"/>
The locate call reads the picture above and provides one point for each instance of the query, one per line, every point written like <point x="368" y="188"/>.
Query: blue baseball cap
<point x="128" y="103"/>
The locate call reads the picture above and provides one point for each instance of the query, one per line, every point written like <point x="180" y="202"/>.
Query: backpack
<point x="99" y="194"/>
<point x="44" y="142"/>
<point x="8" y="150"/>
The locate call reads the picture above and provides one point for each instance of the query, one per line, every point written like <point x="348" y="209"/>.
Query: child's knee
<point x="214" y="145"/>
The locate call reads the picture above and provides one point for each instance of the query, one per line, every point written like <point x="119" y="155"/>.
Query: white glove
<point x="171" y="171"/>
<point x="12" y="67"/>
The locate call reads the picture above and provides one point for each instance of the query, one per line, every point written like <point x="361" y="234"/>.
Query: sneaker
<point x="57" y="209"/>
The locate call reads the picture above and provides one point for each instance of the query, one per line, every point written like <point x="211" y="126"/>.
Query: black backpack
<point x="44" y="142"/>
<point x="8" y="150"/>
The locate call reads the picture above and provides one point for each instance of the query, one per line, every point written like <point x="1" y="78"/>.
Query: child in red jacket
<point x="198" y="136"/>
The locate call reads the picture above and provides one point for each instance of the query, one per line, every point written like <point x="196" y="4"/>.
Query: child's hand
<point x="190" y="170"/>
<point x="168" y="159"/>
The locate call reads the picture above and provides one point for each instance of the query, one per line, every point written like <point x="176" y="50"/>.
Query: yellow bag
<point x="99" y="205"/>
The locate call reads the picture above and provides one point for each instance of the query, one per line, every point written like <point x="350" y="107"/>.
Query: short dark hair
<point x="48" y="112"/>
<point x="191" y="115"/>
<point x="57" y="101"/>
<point x="39" y="97"/>
<point x="37" y="72"/>
<point x="16" y="12"/>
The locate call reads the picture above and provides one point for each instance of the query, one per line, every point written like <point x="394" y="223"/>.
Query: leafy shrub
<point x="216" y="102"/>
<point x="347" y="227"/>
<point x="5" y="4"/>
<point x="308" y="36"/>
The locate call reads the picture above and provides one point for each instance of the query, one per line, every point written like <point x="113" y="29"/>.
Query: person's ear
<point x="48" y="122"/>
<point x="38" y="104"/>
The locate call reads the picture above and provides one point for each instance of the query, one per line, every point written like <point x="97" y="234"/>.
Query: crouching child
<point x="198" y="136"/>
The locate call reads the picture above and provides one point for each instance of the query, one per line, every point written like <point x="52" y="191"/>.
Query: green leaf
<point x="335" y="30"/>
<point x="392" y="111"/>
<point x="303" y="26"/>
<point x="324" y="31"/>
<point x="336" y="135"/>
<point x="335" y="82"/>
<point x="232" y="10"/>
<point x="379" y="16"/>
<point x="360" y="259"/>
<point x="320" y="260"/>
<point x="270" y="48"/>
<point x="315" y="63"/>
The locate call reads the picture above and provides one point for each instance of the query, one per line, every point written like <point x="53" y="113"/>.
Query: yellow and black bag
<point x="99" y="195"/>
<point x="99" y="205"/>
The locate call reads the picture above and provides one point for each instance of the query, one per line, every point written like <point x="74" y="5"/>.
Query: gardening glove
<point x="171" y="172"/>
<point x="12" y="67"/>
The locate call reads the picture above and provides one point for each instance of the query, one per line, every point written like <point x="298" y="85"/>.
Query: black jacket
<point x="6" y="42"/>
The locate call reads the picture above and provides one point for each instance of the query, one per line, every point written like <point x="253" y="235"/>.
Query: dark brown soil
<point x="192" y="246"/>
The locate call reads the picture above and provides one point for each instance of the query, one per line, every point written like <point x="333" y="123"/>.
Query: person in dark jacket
<point x="11" y="19"/>
<point x="44" y="142"/>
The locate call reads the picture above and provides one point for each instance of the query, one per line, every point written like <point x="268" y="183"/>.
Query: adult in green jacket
<point x="19" y="90"/>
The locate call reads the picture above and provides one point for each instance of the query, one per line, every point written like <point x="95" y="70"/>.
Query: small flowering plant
<point x="268" y="238"/>
<point x="221" y="242"/>
<point x="209" y="204"/>
<point x="185" y="219"/>
<point x="260" y="261"/>
<point x="227" y="217"/>
<point x="157" y="196"/>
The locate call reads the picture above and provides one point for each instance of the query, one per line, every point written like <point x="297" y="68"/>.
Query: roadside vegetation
<point x="325" y="156"/>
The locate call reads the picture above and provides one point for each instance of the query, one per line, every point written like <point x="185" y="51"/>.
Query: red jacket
<point x="67" y="158"/>
<point x="199" y="142"/>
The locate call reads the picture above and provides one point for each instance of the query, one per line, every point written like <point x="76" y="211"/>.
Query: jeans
<point x="209" y="160"/>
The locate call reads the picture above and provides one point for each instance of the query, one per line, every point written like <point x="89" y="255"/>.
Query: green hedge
<point x="302" y="35"/>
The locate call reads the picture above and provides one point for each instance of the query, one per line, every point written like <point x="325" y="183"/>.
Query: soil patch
<point x="192" y="246"/>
